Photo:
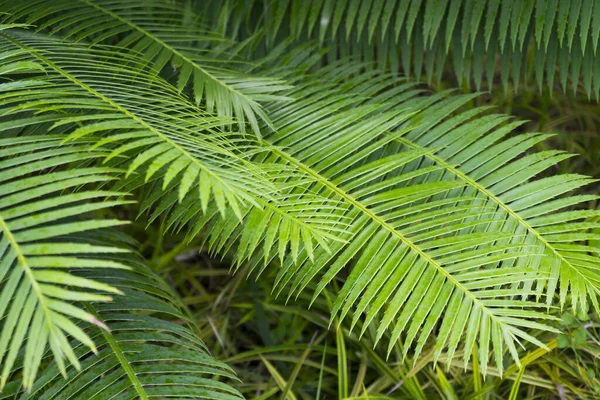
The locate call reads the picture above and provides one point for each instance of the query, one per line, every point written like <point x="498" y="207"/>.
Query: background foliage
<point x="389" y="238"/>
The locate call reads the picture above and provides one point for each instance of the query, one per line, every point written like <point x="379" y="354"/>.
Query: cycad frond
<point x="442" y="233"/>
<point x="144" y="355"/>
<point x="39" y="217"/>
<point x="415" y="36"/>
<point x="166" y="35"/>
<point x="443" y="225"/>
<point x="160" y="136"/>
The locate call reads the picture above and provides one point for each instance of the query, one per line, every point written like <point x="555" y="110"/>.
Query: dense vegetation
<point x="299" y="199"/>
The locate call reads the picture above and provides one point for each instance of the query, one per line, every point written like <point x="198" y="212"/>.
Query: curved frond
<point x="420" y="223"/>
<point x="158" y="134"/>
<point x="166" y="35"/>
<point x="503" y="175"/>
<point x="40" y="262"/>
<point x="441" y="224"/>
<point x="441" y="234"/>
<point x="144" y="354"/>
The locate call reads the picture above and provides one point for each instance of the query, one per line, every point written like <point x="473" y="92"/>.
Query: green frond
<point x="41" y="255"/>
<point x="136" y="116"/>
<point x="422" y="38"/>
<point x="437" y="223"/>
<point x="166" y="36"/>
<point x="298" y="221"/>
<point x="160" y="137"/>
<point x="440" y="206"/>
<point x="144" y="354"/>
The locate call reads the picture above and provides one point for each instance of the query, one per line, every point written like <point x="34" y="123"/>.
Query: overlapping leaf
<point x="445" y="227"/>
<point x="158" y="135"/>
<point x="445" y="235"/>
<point x="167" y="36"/>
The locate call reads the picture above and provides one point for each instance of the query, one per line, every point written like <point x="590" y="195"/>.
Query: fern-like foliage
<point x="166" y="35"/>
<point x="416" y="36"/>
<point x="58" y="279"/>
<point x="38" y="210"/>
<point x="155" y="132"/>
<point x="450" y="228"/>
<point x="433" y="218"/>
<point x="144" y="355"/>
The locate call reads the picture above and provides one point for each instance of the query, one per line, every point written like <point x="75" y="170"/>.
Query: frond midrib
<point x="116" y="348"/>
<point x="22" y="262"/>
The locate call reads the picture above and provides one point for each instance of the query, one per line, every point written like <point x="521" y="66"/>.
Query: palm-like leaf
<point x="166" y="35"/>
<point x="157" y="131"/>
<point x="38" y="213"/>
<point x="500" y="174"/>
<point x="415" y="36"/>
<point x="144" y="355"/>
<point x="448" y="230"/>
<point x="44" y="242"/>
